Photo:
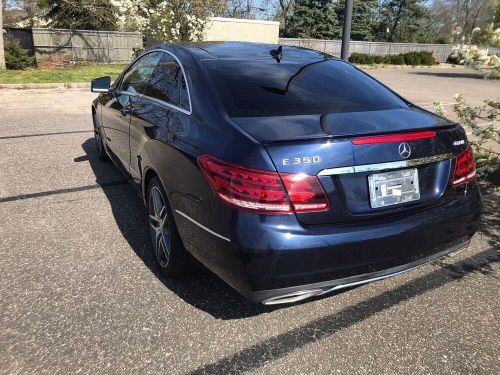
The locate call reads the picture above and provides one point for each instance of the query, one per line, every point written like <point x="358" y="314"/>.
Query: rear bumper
<point x="301" y="292"/>
<point x="266" y="256"/>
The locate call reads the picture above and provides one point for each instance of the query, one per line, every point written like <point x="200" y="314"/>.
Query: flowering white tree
<point x="479" y="59"/>
<point x="171" y="20"/>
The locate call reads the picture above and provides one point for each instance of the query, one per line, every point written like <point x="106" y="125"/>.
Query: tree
<point x="2" y="53"/>
<point x="487" y="37"/>
<point x="313" y="19"/>
<point x="237" y="9"/>
<point x="404" y="21"/>
<point x="20" y="13"/>
<point x="364" y="14"/>
<point x="282" y="10"/>
<point x="80" y="14"/>
<point x="175" y="20"/>
<point x="455" y="20"/>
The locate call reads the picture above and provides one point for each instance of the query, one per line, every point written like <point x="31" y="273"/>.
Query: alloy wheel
<point x="159" y="226"/>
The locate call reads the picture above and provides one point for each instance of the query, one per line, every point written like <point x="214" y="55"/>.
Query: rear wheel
<point x="171" y="259"/>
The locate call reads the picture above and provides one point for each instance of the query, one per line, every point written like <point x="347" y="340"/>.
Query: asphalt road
<point x="78" y="292"/>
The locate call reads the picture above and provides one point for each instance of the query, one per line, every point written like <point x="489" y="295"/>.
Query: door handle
<point x="126" y="110"/>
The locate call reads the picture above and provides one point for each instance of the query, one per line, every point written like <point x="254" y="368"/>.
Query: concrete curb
<point x="387" y="66"/>
<point x="22" y="86"/>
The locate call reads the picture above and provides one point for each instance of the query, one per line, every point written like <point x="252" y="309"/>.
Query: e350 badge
<point x="303" y="160"/>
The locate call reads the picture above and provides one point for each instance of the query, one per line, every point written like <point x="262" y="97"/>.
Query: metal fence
<point x="494" y="51"/>
<point x="78" y="45"/>
<point x="332" y="47"/>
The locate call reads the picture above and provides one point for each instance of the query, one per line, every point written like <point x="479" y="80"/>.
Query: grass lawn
<point x="67" y="74"/>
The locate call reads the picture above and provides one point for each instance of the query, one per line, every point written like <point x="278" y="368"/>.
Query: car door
<point x="116" y="114"/>
<point x="156" y="113"/>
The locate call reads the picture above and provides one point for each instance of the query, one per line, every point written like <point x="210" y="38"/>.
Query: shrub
<point x="426" y="58"/>
<point x="136" y="51"/>
<point x="16" y="57"/>
<point x="478" y="59"/>
<point x="486" y="139"/>
<point x="457" y="56"/>
<point x="409" y="58"/>
<point x="360" y="58"/>
<point x="397" y="59"/>
<point x="387" y="59"/>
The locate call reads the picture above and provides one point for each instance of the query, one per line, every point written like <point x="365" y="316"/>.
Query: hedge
<point x="409" y="58"/>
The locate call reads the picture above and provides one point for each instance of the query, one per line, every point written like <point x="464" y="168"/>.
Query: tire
<point x="170" y="257"/>
<point x="101" y="151"/>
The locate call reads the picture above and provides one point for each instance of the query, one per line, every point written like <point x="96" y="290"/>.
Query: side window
<point x="137" y="77"/>
<point x="168" y="83"/>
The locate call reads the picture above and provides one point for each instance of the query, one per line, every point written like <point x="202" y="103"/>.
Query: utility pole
<point x="346" y="31"/>
<point x="2" y="53"/>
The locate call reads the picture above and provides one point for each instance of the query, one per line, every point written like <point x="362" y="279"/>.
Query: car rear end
<point x="356" y="195"/>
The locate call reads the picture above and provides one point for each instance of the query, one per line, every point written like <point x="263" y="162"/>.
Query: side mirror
<point x="101" y="84"/>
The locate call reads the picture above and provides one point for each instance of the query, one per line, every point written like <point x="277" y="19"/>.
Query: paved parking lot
<point x="78" y="292"/>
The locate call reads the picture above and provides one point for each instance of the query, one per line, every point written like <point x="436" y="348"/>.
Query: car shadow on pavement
<point x="471" y="75"/>
<point x="202" y="290"/>
<point x="274" y="348"/>
<point x="490" y="221"/>
<point x="207" y="292"/>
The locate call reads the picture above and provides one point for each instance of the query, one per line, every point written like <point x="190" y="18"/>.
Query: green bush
<point x="486" y="138"/>
<point x="16" y="57"/>
<point x="397" y="59"/>
<point x="387" y="59"/>
<point x="426" y="58"/>
<point x="409" y="58"/>
<point x="456" y="58"/>
<point x="136" y="51"/>
<point x="359" y="58"/>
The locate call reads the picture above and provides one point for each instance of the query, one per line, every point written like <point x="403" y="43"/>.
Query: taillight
<point x="465" y="167"/>
<point x="305" y="192"/>
<point x="263" y="191"/>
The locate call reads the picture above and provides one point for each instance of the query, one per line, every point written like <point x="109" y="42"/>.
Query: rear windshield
<point x="299" y="87"/>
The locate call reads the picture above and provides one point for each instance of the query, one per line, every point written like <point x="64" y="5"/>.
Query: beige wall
<point x="242" y="30"/>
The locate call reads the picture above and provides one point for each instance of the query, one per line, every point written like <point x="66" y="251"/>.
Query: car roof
<point x="244" y="50"/>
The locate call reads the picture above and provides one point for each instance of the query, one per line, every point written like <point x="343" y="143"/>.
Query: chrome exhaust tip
<point x="292" y="297"/>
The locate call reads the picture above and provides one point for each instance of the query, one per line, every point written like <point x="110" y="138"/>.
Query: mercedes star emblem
<point x="404" y="150"/>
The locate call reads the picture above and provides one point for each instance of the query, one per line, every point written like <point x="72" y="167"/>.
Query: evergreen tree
<point x="81" y="14"/>
<point x="364" y="13"/>
<point x="313" y="19"/>
<point x="403" y="21"/>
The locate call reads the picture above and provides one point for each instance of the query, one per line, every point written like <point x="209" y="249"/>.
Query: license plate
<point x="395" y="187"/>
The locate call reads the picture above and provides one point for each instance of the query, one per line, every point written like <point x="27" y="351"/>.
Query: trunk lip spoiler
<point x="385" y="166"/>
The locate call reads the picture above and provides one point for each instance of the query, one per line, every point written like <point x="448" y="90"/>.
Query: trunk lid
<point x="337" y="125"/>
<point x="323" y="145"/>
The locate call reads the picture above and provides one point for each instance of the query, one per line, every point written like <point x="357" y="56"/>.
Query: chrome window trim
<point x="158" y="101"/>
<point x="100" y="90"/>
<point x="384" y="166"/>
<point x="202" y="226"/>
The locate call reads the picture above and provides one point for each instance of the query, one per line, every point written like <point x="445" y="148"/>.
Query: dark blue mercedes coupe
<point x="286" y="172"/>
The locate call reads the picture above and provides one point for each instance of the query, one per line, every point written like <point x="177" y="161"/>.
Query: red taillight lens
<point x="305" y="192"/>
<point x="394" y="138"/>
<point x="263" y="191"/>
<point x="465" y="167"/>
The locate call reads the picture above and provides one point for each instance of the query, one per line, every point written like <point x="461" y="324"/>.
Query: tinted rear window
<point x="299" y="87"/>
